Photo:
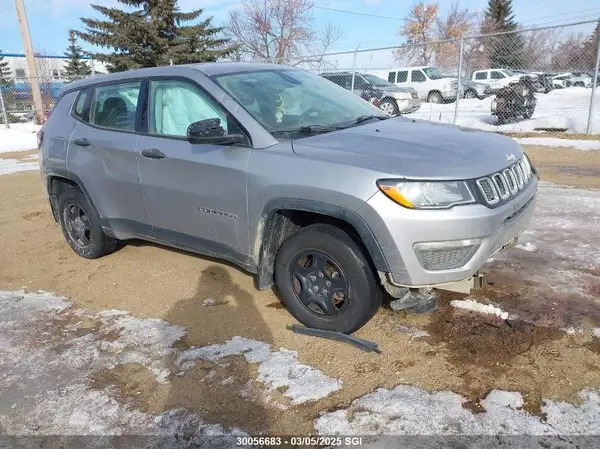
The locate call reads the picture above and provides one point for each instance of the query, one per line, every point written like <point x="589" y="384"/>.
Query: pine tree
<point x="76" y="67"/>
<point x="152" y="35"/>
<point x="505" y="50"/>
<point x="5" y="78"/>
<point x="590" y="49"/>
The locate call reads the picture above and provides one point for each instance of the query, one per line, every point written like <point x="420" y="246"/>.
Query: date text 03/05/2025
<point x="298" y="441"/>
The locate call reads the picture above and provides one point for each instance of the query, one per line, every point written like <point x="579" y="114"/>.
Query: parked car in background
<point x="295" y="180"/>
<point x="471" y="89"/>
<point x="390" y="98"/>
<point x="561" y="81"/>
<point x="495" y="78"/>
<point x="515" y="101"/>
<point x="581" y="79"/>
<point x="431" y="85"/>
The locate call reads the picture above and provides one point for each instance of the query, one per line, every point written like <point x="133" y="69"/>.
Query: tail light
<point x="375" y="101"/>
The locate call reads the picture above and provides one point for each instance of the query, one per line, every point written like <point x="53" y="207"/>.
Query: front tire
<point x="470" y="94"/>
<point x="389" y="106"/>
<point x="325" y="280"/>
<point x="435" y="97"/>
<point x="81" y="228"/>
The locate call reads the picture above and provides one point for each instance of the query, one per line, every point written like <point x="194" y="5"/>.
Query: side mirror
<point x="210" y="131"/>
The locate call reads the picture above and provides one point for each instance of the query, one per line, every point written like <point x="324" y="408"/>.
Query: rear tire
<point x="81" y="227"/>
<point x="325" y="280"/>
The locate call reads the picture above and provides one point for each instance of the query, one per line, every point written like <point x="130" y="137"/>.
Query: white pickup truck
<point x="495" y="78"/>
<point x="429" y="82"/>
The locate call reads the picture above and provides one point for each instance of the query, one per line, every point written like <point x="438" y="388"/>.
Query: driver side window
<point x="174" y="105"/>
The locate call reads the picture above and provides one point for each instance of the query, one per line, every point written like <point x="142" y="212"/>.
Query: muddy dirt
<point x="464" y="352"/>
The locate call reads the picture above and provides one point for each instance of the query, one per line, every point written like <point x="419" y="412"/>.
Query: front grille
<point x="506" y="183"/>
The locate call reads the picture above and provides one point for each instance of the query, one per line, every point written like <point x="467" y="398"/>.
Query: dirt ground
<point x="464" y="352"/>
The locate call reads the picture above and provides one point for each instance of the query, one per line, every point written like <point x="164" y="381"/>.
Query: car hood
<point x="413" y="149"/>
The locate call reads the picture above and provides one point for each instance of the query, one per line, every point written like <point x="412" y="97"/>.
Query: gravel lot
<point x="547" y="351"/>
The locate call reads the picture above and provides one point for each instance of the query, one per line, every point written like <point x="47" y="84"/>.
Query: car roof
<point x="208" y="69"/>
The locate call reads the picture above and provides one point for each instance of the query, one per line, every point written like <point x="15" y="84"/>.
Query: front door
<point x="196" y="193"/>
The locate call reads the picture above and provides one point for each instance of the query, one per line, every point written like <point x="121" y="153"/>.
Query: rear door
<point x="418" y="81"/>
<point x="102" y="153"/>
<point x="196" y="193"/>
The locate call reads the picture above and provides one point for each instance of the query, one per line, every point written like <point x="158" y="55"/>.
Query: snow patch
<point x="583" y="145"/>
<point x="596" y="332"/>
<point x="406" y="410"/>
<point x="276" y="368"/>
<point x="10" y="166"/>
<point x="527" y="247"/>
<point x="19" y="137"/>
<point x="488" y="309"/>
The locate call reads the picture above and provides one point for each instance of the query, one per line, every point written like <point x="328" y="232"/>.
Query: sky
<point x="50" y="20"/>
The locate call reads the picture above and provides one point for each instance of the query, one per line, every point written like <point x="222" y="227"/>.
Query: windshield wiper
<point x="365" y="118"/>
<point x="308" y="129"/>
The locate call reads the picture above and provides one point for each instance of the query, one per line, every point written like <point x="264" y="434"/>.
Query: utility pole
<point x="31" y="67"/>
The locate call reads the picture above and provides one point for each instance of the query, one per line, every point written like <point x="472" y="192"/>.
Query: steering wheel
<point x="307" y="113"/>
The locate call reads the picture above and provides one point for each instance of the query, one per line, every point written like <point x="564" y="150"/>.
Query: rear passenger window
<point x="79" y="107"/>
<point x="115" y="106"/>
<point x="481" y="76"/>
<point x="402" y="77"/>
<point x="392" y="77"/>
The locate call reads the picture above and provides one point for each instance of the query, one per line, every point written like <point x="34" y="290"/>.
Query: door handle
<point x="153" y="153"/>
<point x="83" y="142"/>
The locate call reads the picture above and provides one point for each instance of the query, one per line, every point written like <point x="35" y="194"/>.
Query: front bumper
<point x="406" y="106"/>
<point x="398" y="229"/>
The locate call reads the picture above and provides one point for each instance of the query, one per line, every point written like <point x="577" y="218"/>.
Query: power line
<point x="359" y="13"/>
<point x="560" y="14"/>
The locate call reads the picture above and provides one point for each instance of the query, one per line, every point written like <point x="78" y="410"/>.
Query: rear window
<point x="79" y="106"/>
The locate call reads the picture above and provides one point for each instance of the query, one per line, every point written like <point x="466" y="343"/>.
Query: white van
<point x="495" y="78"/>
<point x="429" y="82"/>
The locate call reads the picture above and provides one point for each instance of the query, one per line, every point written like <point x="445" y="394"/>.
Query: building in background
<point x="51" y="77"/>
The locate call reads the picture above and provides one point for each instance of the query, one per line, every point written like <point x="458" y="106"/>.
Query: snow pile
<point x="276" y="368"/>
<point x="597" y="332"/>
<point x="565" y="108"/>
<point x="528" y="246"/>
<point x="19" y="137"/>
<point x="406" y="410"/>
<point x="488" y="309"/>
<point x="46" y="366"/>
<point x="583" y="145"/>
<point x="10" y="166"/>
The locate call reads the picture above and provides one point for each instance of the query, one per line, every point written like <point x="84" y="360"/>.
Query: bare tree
<point x="569" y="53"/>
<point x="279" y="30"/>
<point x="418" y="28"/>
<point x="456" y="24"/>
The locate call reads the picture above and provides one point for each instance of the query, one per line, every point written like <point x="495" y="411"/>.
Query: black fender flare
<point x="331" y="210"/>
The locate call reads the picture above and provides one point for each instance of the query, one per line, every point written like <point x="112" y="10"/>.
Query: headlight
<point x="427" y="195"/>
<point x="494" y="105"/>
<point x="525" y="92"/>
<point x="448" y="87"/>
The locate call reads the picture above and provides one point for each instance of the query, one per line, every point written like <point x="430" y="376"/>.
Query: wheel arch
<point x="58" y="181"/>
<point x="282" y="217"/>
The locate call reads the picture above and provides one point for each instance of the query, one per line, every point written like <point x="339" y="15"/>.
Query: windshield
<point x="433" y="73"/>
<point x="288" y="99"/>
<point x="509" y="72"/>
<point x="376" y="81"/>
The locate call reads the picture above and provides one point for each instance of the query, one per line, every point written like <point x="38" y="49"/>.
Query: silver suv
<point x="287" y="175"/>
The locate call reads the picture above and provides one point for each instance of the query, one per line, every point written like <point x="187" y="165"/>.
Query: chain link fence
<point x="542" y="79"/>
